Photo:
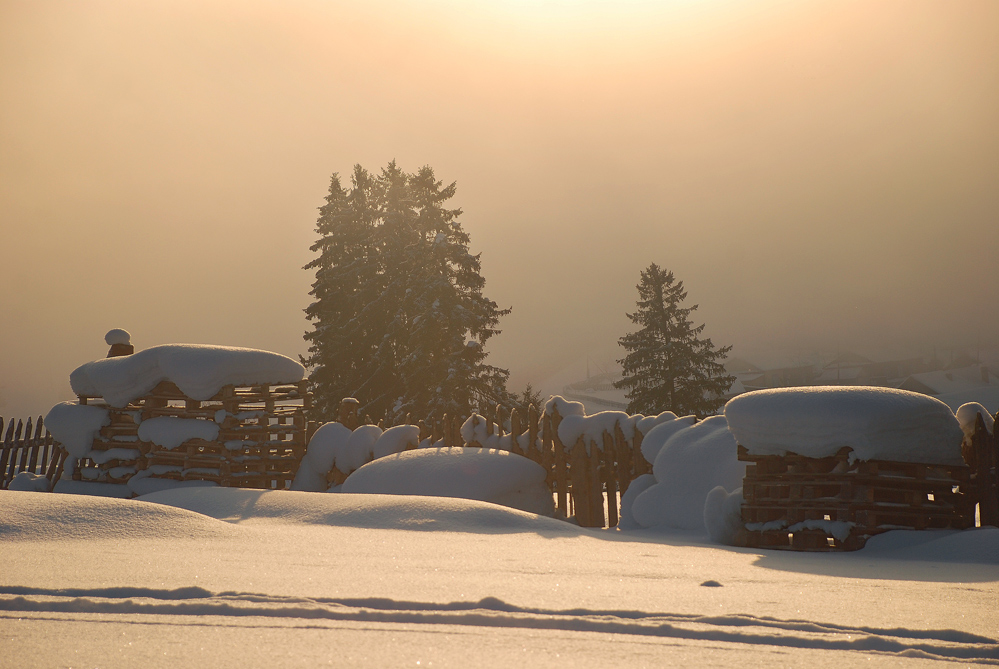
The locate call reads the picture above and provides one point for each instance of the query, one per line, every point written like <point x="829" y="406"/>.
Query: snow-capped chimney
<point x="120" y="342"/>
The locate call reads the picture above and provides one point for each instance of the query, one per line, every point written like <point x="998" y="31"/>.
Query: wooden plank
<point x="516" y="429"/>
<point x="35" y="446"/>
<point x="15" y="445"/>
<point x="625" y="459"/>
<point x="595" y="486"/>
<point x="25" y="448"/>
<point x="579" y="471"/>
<point x="558" y="475"/>
<point x="5" y="451"/>
<point x="610" y="478"/>
<point x="532" y="432"/>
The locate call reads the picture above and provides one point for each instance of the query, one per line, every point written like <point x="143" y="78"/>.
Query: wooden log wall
<point x="791" y="500"/>
<point x="29" y="448"/>
<point x="261" y="440"/>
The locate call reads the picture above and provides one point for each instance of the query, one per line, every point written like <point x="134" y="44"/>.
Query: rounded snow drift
<point x="118" y="336"/>
<point x="482" y="474"/>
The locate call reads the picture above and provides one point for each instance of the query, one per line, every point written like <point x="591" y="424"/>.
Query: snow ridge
<point x="493" y="612"/>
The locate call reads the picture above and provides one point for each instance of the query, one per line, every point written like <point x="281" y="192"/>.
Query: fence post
<point x="610" y="478"/>
<point x="551" y="444"/>
<point x="348" y="413"/>
<point x="22" y="465"/>
<point x="625" y="459"/>
<point x="5" y="450"/>
<point x="579" y="471"/>
<point x="984" y="447"/>
<point x="532" y="430"/>
<point x="515" y="431"/>
<point x="595" y="487"/>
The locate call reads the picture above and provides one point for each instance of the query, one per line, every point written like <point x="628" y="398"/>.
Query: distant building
<point x="851" y="369"/>
<point x="956" y="386"/>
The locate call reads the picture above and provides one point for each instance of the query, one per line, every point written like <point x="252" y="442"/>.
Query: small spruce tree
<point x="668" y="366"/>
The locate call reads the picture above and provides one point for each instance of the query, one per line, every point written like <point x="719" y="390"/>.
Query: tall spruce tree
<point x="398" y="293"/>
<point x="668" y="366"/>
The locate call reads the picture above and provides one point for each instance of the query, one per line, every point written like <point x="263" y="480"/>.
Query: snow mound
<point x="55" y="517"/>
<point x="199" y="371"/>
<point x="877" y="423"/>
<point x="92" y="488"/>
<point x="691" y="463"/>
<point x="396" y="440"/>
<point x="481" y="474"/>
<point x="30" y="482"/>
<point x="635" y="488"/>
<point x="357" y="450"/>
<point x="978" y="545"/>
<point x="723" y="516"/>
<point x="320" y="457"/>
<point x="392" y="512"/>
<point x="657" y="437"/>
<point x="146" y="481"/>
<point x="75" y="426"/>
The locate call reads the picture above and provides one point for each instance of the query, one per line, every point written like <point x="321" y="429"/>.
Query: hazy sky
<point x="818" y="174"/>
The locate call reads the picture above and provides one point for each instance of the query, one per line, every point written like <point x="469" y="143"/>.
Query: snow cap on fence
<point x="199" y="371"/>
<point x="474" y="430"/>
<point x="396" y="440"/>
<point x="646" y="423"/>
<point x="564" y="406"/>
<point x="592" y="428"/>
<point x="357" y="450"/>
<point x="966" y="414"/>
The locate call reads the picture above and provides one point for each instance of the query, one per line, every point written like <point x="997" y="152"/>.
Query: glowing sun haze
<point x="819" y="174"/>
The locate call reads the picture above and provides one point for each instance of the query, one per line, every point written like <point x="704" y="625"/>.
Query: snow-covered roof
<point x="948" y="381"/>
<point x="817" y="421"/>
<point x="839" y="374"/>
<point x="199" y="371"/>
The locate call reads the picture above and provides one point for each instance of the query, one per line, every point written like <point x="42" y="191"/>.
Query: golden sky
<point x="819" y="174"/>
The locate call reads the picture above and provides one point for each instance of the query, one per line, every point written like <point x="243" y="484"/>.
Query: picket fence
<point x="24" y="451"/>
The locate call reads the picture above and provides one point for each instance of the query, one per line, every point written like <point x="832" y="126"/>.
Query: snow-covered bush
<point x="483" y="474"/>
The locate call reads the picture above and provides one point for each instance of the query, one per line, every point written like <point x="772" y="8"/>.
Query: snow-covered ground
<point x="240" y="578"/>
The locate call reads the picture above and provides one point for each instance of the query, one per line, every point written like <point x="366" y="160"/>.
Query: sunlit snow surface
<point x="240" y="578"/>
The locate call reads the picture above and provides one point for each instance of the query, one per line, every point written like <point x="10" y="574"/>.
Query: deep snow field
<point x="240" y="578"/>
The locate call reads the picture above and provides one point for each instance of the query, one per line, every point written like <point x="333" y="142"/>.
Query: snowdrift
<point x="389" y="512"/>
